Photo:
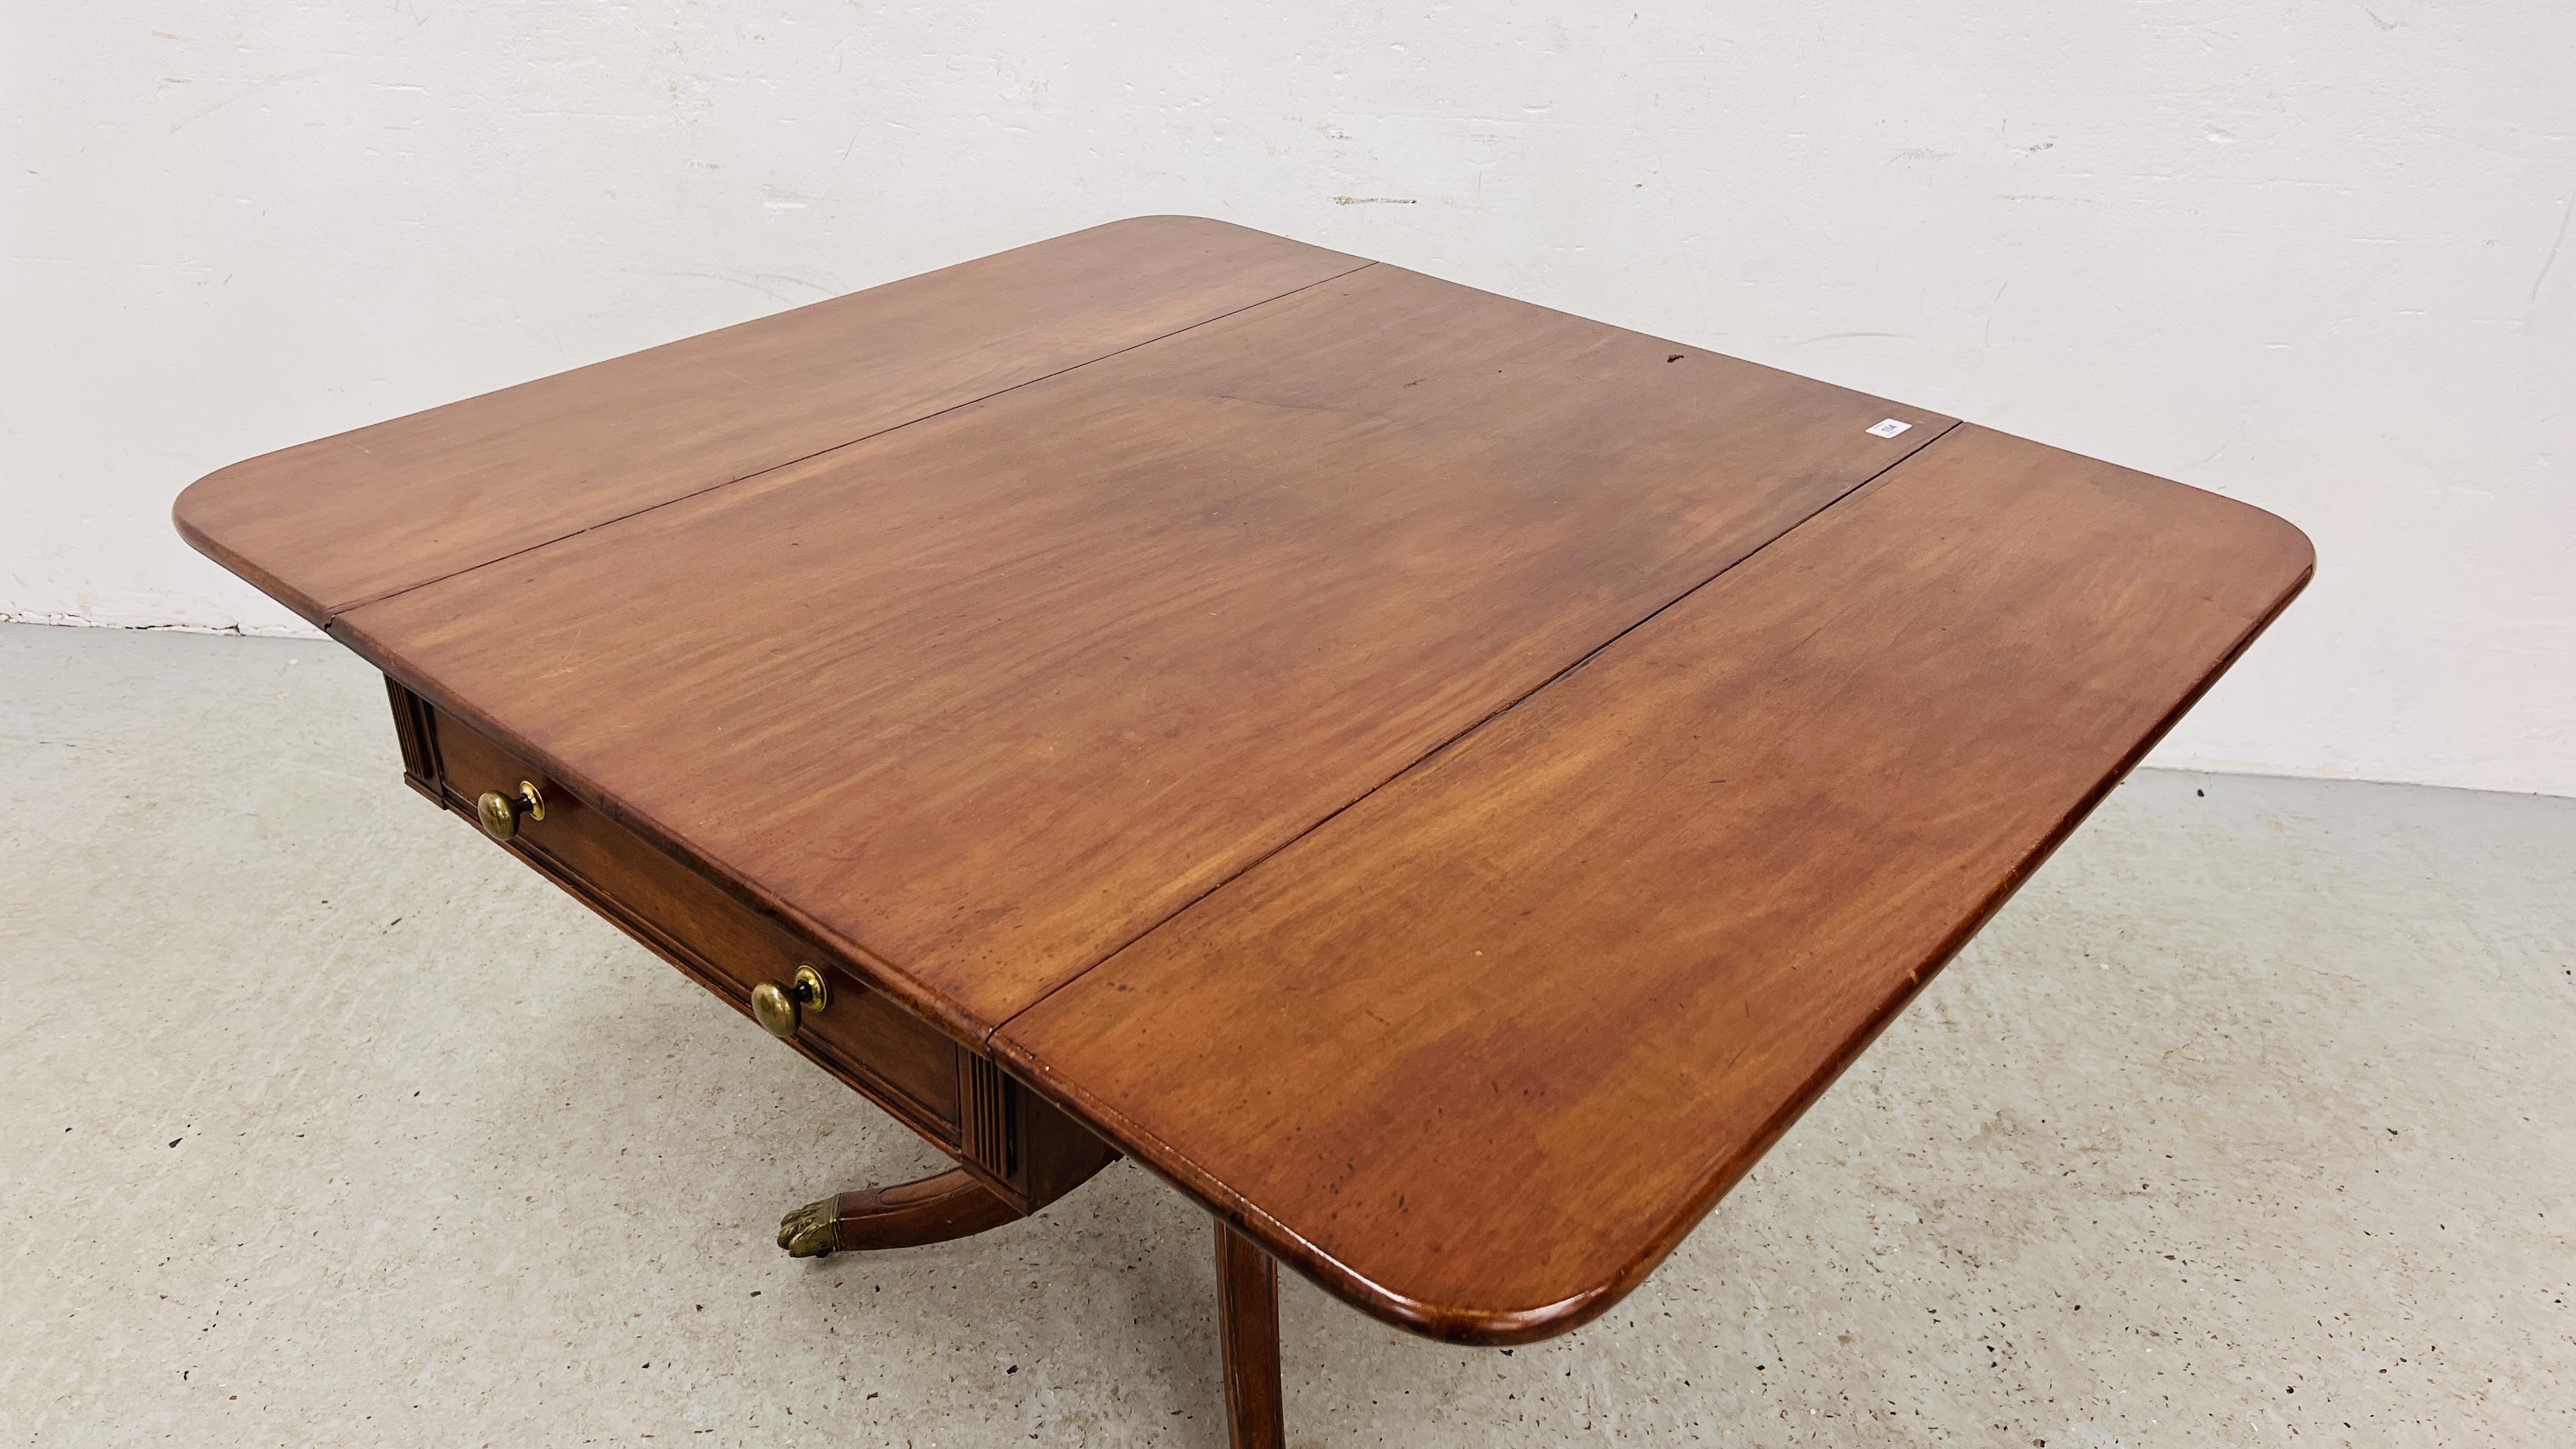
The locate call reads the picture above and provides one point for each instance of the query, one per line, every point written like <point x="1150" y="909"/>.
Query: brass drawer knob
<point x="500" y="813"/>
<point x="777" y="1006"/>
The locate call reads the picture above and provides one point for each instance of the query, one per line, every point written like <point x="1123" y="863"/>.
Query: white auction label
<point x="1887" y="428"/>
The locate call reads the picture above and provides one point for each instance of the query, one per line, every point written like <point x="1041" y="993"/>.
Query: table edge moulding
<point x="1443" y="783"/>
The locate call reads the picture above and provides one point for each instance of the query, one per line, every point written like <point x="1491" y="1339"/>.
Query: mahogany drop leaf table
<point x="1442" y="783"/>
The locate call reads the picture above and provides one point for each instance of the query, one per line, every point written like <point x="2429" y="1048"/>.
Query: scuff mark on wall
<point x="244" y="94"/>
<point x="2566" y="209"/>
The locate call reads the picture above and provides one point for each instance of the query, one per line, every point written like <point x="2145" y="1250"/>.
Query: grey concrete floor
<point x="2253" y="1120"/>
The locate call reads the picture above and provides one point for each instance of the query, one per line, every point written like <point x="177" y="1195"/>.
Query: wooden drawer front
<point x="899" y="1060"/>
<point x="1023" y="1146"/>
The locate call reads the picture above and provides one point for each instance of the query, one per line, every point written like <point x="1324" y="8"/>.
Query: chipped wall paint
<point x="2315" y="256"/>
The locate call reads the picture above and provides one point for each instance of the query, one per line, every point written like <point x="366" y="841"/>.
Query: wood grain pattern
<point x="1050" y="1153"/>
<point x="1479" y="1051"/>
<point x="1247" y="1323"/>
<point x="978" y="701"/>
<point x="941" y="1209"/>
<point x="896" y="1059"/>
<point x="325" y="525"/>
<point x="1024" y="1147"/>
<point x="1505" y="767"/>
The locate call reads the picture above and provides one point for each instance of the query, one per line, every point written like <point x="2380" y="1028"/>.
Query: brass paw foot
<point x="812" y="1231"/>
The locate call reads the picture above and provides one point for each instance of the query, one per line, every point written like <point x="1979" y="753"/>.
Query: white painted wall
<point x="2313" y="255"/>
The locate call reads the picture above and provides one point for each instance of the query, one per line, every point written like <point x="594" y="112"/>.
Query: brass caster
<point x="812" y="1231"/>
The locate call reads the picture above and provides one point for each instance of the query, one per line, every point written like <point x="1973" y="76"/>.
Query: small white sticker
<point x="1887" y="428"/>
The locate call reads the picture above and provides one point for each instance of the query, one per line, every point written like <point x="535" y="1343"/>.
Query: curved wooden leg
<point x="1247" y="1318"/>
<point x="933" y="1210"/>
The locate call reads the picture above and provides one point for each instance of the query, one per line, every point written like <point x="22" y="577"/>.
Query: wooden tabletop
<point x="1444" y="782"/>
